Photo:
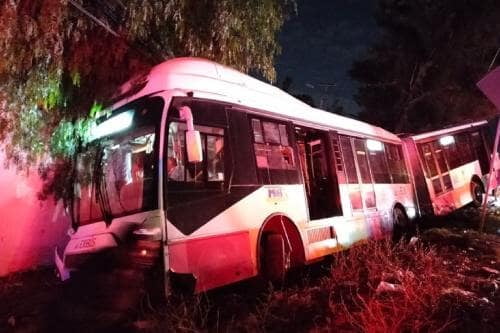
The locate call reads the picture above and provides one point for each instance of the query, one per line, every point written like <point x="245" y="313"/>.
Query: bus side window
<point x="351" y="174"/>
<point x="452" y="154"/>
<point x="274" y="155"/>
<point x="350" y="166"/>
<point x="464" y="146"/>
<point x="396" y="163"/>
<point x="379" y="167"/>
<point x="364" y="170"/>
<point x="212" y="167"/>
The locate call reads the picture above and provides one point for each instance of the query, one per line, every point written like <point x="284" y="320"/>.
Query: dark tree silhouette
<point x="421" y="73"/>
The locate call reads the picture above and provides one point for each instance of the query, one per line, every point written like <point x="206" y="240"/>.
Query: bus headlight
<point x="411" y="212"/>
<point x="153" y="234"/>
<point x="145" y="246"/>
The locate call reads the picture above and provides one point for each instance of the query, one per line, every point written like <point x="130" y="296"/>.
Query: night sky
<point x="319" y="46"/>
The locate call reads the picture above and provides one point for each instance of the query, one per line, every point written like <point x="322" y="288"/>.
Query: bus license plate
<point x="85" y="243"/>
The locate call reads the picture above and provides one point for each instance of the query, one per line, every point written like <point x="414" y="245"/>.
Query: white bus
<point x="223" y="177"/>
<point x="450" y="166"/>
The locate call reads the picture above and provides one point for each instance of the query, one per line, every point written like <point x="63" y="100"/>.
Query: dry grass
<point x="435" y="288"/>
<point x="414" y="272"/>
<point x="446" y="281"/>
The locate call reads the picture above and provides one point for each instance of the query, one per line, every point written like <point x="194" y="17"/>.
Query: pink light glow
<point x="490" y="86"/>
<point x="29" y="229"/>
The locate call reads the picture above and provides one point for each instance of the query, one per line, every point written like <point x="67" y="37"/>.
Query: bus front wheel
<point x="477" y="193"/>
<point x="274" y="258"/>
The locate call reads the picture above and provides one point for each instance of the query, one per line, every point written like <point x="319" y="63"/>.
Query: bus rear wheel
<point x="477" y="193"/>
<point x="274" y="258"/>
<point x="400" y="223"/>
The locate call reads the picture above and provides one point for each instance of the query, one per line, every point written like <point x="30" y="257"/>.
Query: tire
<point x="477" y="193"/>
<point x="274" y="258"/>
<point x="400" y="223"/>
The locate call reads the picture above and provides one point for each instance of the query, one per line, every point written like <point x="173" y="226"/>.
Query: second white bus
<point x="450" y="167"/>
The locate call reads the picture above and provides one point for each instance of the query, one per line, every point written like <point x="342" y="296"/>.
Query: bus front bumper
<point x="78" y="250"/>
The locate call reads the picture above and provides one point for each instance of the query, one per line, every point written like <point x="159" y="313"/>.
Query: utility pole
<point x="490" y="86"/>
<point x="493" y="159"/>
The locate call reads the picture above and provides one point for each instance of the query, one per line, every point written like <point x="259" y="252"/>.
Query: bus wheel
<point x="477" y="193"/>
<point x="274" y="258"/>
<point x="400" y="223"/>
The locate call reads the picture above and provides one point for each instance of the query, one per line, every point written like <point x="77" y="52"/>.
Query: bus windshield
<point x="117" y="174"/>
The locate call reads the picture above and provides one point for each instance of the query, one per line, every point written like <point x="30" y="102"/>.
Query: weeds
<point x="448" y="280"/>
<point x="377" y="287"/>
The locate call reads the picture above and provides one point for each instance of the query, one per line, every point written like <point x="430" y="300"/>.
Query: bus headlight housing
<point x="411" y="212"/>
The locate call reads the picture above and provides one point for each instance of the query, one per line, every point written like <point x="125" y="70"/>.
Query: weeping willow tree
<point x="61" y="58"/>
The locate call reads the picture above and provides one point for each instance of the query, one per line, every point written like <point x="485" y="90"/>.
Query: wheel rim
<point x="399" y="217"/>
<point x="477" y="193"/>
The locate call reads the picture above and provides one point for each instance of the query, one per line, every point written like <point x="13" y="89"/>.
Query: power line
<point x="494" y="59"/>
<point x="93" y="18"/>
<point x="152" y="56"/>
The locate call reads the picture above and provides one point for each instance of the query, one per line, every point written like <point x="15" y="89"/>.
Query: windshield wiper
<point x="100" y="187"/>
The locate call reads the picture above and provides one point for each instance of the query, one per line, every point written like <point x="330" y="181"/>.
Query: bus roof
<point x="207" y="79"/>
<point x="448" y="130"/>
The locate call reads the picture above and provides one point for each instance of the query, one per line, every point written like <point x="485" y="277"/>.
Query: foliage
<point x="422" y="71"/>
<point x="56" y="62"/>
<point x="241" y="34"/>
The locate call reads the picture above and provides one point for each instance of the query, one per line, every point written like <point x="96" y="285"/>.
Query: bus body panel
<point x="238" y="224"/>
<point x="217" y="241"/>
<point x="224" y="250"/>
<point x="213" y="261"/>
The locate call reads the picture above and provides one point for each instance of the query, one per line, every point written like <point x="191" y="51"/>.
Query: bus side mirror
<point x="193" y="138"/>
<point x="193" y="146"/>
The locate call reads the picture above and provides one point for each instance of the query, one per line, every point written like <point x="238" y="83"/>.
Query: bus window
<point x="443" y="166"/>
<point x="212" y="167"/>
<point x="274" y="156"/>
<point x="452" y="155"/>
<point x="436" y="184"/>
<point x="437" y="166"/>
<point x="396" y="163"/>
<point x="364" y="172"/>
<point x="447" y="182"/>
<point x="350" y="166"/>
<point x="257" y="131"/>
<point x="465" y="149"/>
<point x="428" y="159"/>
<point x="272" y="148"/>
<point x="351" y="174"/>
<point x="215" y="157"/>
<point x="438" y="152"/>
<point x="378" y="164"/>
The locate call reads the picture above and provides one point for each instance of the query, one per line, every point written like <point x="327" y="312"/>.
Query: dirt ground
<point x="446" y="278"/>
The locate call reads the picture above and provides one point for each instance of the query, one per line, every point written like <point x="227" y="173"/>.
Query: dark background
<point x="319" y="46"/>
